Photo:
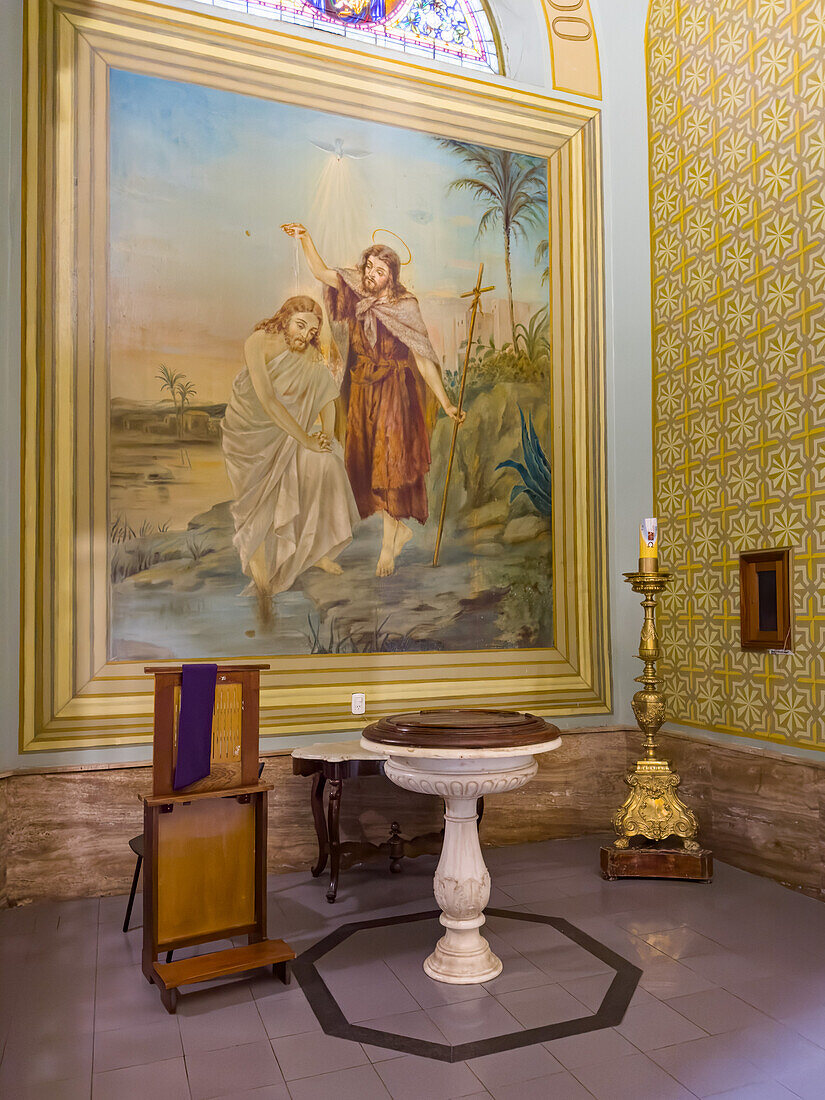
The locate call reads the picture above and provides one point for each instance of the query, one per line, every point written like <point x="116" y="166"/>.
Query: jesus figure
<point x="389" y="365"/>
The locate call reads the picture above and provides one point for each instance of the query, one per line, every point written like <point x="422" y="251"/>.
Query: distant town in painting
<point x="288" y="337"/>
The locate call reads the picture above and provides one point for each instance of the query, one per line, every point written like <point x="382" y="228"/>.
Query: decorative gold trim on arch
<point x="70" y="695"/>
<point x="574" y="49"/>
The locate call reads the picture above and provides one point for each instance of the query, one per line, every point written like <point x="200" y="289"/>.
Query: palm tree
<point x="170" y="380"/>
<point x="185" y="391"/>
<point x="543" y="256"/>
<point x="514" y="191"/>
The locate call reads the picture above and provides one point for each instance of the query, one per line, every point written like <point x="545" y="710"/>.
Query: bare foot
<point x="265" y="610"/>
<point x="329" y="566"/>
<point x="402" y="536"/>
<point x="386" y="562"/>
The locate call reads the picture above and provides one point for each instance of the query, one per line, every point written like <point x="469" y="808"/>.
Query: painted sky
<point x="201" y="181"/>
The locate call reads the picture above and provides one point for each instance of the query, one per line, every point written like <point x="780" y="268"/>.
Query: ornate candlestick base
<point x="653" y="811"/>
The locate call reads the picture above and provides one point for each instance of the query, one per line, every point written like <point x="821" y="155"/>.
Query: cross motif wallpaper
<point x="736" y="103"/>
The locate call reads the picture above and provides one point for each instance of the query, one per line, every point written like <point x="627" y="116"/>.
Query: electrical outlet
<point x="359" y="702"/>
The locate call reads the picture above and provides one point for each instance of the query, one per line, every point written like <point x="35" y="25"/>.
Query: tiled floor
<point x="731" y="1002"/>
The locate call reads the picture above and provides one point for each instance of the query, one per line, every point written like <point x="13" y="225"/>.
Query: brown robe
<point x="387" y="449"/>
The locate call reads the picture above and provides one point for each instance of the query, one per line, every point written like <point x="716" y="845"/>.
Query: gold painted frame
<point x="71" y="697"/>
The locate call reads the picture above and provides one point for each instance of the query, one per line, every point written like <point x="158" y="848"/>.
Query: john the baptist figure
<point x="389" y="368"/>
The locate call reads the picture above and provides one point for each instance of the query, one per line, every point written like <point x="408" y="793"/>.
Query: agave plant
<point x="534" y="471"/>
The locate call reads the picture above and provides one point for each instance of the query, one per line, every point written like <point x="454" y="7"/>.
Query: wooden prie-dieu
<point x="204" y="874"/>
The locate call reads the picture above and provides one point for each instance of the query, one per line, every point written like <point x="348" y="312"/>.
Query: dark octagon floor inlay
<point x="609" y="1013"/>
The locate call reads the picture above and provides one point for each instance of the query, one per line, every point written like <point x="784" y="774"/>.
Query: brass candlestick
<point x="653" y="809"/>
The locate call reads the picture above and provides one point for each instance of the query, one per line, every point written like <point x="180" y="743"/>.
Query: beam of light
<point x="339" y="212"/>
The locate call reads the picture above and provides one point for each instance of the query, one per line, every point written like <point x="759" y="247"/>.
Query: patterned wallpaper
<point x="736" y="104"/>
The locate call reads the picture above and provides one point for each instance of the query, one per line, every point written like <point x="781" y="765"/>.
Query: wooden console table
<point x="334" y="762"/>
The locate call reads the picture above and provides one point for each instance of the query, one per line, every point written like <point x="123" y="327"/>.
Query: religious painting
<point x="313" y="375"/>
<point x="329" y="383"/>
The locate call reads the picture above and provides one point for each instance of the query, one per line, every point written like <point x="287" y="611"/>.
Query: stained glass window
<point x="460" y="31"/>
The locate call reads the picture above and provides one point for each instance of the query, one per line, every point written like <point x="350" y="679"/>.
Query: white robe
<point x="295" y="502"/>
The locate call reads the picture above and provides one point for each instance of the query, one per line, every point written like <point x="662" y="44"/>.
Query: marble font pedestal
<point x="462" y="882"/>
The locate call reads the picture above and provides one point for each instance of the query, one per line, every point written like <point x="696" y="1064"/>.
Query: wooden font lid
<point x="461" y="729"/>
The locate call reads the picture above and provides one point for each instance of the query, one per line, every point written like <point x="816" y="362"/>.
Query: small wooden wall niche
<point x="765" y="599"/>
<point x="204" y="876"/>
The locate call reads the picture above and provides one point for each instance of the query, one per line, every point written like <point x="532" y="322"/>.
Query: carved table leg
<point x="396" y="846"/>
<point x="333" y="813"/>
<point x="316" y="799"/>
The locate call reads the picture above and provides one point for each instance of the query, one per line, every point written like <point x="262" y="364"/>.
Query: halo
<point x="404" y="263"/>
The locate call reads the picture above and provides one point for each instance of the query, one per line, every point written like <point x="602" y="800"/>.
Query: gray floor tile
<point x="716" y="1010"/>
<point x="303" y="1055"/>
<point x="158" y="1079"/>
<point x="781" y="997"/>
<point x="136" y="1046"/>
<point x="630" y="1078"/>
<point x="773" y="1047"/>
<point x="591" y="991"/>
<point x="223" y="1027"/>
<point x="526" y="936"/>
<point x="543" y="1005"/>
<point x="724" y="968"/>
<point x="518" y="973"/>
<point x="591" y="1046"/>
<point x="358" y="1083"/>
<point x="32" y="1058"/>
<point x="721" y="958"/>
<point x="764" y="1090"/>
<point x="706" y="1067"/>
<point x="511" y="1066"/>
<point x="415" y="1025"/>
<point x="666" y="978"/>
<point x="559" y="1086"/>
<point x="381" y="1054"/>
<point x="649" y="1026"/>
<point x="681" y="942"/>
<point x="78" y="1088"/>
<point x="268" y="1092"/>
<point x="641" y="923"/>
<point x="366" y="990"/>
<point x="410" y="1078"/>
<point x="427" y="992"/>
<point x="809" y="1023"/>
<point x="469" y="1021"/>
<point x="287" y="1013"/>
<point x="567" y="962"/>
<point x="216" y="1072"/>
<point x="806" y="1080"/>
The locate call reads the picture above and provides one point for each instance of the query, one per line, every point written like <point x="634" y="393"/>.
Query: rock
<point x="525" y="529"/>
<point x="218" y="517"/>
<point x="490" y="435"/>
<point x="492" y="514"/>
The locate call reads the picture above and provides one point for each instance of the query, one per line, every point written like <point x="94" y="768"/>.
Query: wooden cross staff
<point x="475" y="294"/>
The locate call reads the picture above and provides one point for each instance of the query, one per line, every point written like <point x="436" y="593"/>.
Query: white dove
<point x="338" y="150"/>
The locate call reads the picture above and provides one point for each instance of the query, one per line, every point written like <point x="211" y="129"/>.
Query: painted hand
<point x="318" y="442"/>
<point x="294" y="229"/>
<point x="454" y="414"/>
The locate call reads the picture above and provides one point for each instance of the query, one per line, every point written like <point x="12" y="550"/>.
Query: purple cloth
<point x="197" y="703"/>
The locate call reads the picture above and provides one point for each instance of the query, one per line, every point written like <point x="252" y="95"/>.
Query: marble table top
<point x="335" y="752"/>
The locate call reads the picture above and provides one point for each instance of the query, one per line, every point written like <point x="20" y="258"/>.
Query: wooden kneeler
<point x="204" y="876"/>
